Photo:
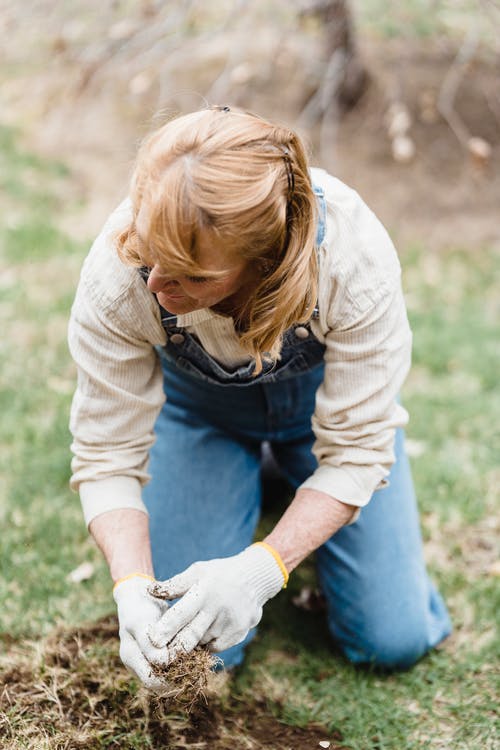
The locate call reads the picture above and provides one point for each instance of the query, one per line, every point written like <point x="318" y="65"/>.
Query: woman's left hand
<point x="221" y="600"/>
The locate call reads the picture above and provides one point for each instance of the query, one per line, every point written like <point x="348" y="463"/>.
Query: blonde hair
<point x="246" y="180"/>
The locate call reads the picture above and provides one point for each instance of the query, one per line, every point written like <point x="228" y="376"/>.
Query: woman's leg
<point x="204" y="495"/>
<point x="382" y="607"/>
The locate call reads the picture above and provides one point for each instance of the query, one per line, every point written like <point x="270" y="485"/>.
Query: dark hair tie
<point x="289" y="171"/>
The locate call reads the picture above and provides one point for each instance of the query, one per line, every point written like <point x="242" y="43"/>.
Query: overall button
<point x="177" y="338"/>
<point x="301" y="332"/>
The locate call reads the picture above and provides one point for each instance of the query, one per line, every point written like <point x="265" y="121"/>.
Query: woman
<point x="260" y="297"/>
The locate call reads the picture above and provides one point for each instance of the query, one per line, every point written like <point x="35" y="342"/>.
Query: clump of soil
<point x="187" y="678"/>
<point x="72" y="691"/>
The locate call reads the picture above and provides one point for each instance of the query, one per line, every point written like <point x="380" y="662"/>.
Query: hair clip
<point x="289" y="171"/>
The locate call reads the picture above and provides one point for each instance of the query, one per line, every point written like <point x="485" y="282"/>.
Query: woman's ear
<point x="267" y="266"/>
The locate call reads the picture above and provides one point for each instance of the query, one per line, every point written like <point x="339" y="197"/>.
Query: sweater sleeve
<point x="357" y="408"/>
<point x="364" y="326"/>
<point x="118" y="397"/>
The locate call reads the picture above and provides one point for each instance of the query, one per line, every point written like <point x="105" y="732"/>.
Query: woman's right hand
<point x="137" y="610"/>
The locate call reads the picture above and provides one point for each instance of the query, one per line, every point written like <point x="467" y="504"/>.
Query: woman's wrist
<point x="123" y="537"/>
<point x="121" y="572"/>
<point x="311" y="519"/>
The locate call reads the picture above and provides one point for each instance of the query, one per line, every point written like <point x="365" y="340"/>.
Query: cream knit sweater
<point x="115" y="325"/>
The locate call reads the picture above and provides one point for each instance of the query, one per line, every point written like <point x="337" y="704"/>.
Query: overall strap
<point x="321" y="229"/>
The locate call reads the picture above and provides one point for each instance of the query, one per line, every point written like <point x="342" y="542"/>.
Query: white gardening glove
<point x="137" y="610"/>
<point x="221" y="600"/>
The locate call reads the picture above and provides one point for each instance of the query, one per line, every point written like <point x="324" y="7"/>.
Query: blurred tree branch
<point x="240" y="47"/>
<point x="345" y="77"/>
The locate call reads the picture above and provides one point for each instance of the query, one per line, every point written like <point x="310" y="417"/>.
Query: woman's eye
<point x="197" y="279"/>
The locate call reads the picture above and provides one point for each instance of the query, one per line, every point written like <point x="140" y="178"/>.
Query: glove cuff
<point x="277" y="557"/>
<point x="128" y="578"/>
<point x="264" y="572"/>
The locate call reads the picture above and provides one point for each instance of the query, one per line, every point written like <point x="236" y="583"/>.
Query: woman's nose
<point x="158" y="280"/>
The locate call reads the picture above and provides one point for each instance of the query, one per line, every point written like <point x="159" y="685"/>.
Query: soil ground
<point x="64" y="693"/>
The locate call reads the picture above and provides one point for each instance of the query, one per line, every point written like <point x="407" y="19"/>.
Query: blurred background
<point x="401" y="100"/>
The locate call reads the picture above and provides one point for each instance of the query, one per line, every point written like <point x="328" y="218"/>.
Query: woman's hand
<point x="137" y="611"/>
<point x="221" y="600"/>
<point x="123" y="537"/>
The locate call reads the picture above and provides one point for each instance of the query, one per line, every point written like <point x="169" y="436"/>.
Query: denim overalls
<point x="205" y="493"/>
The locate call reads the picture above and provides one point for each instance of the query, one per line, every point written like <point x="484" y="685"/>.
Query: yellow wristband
<point x="278" y="559"/>
<point x="132" y="575"/>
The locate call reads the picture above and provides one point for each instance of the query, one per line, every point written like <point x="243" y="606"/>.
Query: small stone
<point x="480" y="151"/>
<point x="324" y="743"/>
<point x="82" y="573"/>
<point x="399" y="123"/>
<point x="309" y="600"/>
<point x="403" y="149"/>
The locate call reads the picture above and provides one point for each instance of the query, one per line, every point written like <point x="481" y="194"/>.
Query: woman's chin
<point x="177" y="304"/>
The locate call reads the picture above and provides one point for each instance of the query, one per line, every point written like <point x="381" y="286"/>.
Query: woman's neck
<point x="236" y="305"/>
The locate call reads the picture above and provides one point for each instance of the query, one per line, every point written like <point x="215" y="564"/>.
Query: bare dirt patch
<point x="73" y="692"/>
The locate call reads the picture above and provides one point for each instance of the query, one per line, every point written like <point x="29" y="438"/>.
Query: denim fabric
<point x="205" y="494"/>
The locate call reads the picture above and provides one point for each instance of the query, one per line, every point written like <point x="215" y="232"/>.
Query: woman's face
<point x="184" y="294"/>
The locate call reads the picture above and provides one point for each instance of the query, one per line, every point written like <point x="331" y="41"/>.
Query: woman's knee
<point x="390" y="648"/>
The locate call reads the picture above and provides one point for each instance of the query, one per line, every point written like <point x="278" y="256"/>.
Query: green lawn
<point x="447" y="700"/>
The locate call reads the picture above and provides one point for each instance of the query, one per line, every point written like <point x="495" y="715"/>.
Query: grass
<point x="447" y="700"/>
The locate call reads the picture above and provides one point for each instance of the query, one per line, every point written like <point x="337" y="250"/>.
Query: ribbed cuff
<point x="349" y="483"/>
<point x="132" y="582"/>
<point x="278" y="559"/>
<point x="112" y="493"/>
<point x="264" y="574"/>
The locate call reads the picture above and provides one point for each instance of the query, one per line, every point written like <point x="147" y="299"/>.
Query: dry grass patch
<point x="72" y="691"/>
<point x="187" y="678"/>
